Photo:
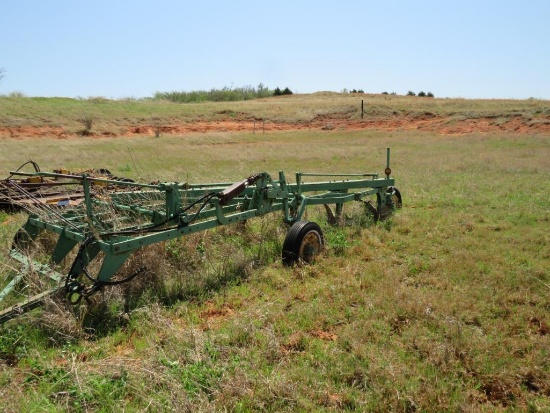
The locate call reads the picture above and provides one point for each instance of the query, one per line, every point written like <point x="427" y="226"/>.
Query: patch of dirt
<point x="424" y="122"/>
<point x="324" y="335"/>
<point x="212" y="312"/>
<point x="499" y="391"/>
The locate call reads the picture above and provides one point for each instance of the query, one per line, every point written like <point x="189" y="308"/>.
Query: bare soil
<point x="428" y="123"/>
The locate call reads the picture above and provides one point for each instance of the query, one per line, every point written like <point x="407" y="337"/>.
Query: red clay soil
<point x="428" y="123"/>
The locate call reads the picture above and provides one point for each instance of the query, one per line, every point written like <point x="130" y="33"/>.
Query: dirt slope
<point x="428" y="122"/>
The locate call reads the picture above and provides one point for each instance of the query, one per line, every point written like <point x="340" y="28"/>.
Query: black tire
<point x="303" y="243"/>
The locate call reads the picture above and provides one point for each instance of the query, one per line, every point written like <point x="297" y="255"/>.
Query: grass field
<point x="446" y="307"/>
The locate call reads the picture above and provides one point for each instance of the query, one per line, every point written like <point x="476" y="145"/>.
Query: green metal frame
<point x="183" y="209"/>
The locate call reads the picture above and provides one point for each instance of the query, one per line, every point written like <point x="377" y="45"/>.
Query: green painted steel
<point x="112" y="224"/>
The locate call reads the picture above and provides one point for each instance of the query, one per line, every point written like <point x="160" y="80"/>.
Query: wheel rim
<point x="310" y="247"/>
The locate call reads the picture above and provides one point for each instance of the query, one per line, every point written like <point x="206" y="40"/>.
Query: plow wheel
<point x="303" y="243"/>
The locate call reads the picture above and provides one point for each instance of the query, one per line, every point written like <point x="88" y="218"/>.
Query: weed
<point x="88" y="122"/>
<point x="337" y="241"/>
<point x="125" y="168"/>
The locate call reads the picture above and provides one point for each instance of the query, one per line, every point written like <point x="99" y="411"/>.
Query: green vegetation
<point x="423" y="94"/>
<point x="442" y="308"/>
<point x="226" y="94"/>
<point x="279" y="92"/>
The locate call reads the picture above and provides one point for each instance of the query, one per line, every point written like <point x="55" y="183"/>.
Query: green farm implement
<point x="95" y="237"/>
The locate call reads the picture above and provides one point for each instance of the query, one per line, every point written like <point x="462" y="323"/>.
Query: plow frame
<point x="184" y="209"/>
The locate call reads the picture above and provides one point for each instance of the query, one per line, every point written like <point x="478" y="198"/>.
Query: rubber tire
<point x="299" y="234"/>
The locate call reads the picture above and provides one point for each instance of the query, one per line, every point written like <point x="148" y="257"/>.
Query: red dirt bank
<point x="435" y="124"/>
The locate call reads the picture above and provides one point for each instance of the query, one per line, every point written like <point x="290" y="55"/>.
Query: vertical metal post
<point x="173" y="201"/>
<point x="387" y="163"/>
<point x="299" y="183"/>
<point x="87" y="197"/>
<point x="362" y="111"/>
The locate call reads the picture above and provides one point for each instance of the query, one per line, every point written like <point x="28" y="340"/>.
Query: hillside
<point x="61" y="117"/>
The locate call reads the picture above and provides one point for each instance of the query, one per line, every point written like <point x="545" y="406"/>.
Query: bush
<point x="421" y="94"/>
<point x="226" y="94"/>
<point x="279" y="92"/>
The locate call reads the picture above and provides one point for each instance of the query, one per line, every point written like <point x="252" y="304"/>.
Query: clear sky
<point x="133" y="48"/>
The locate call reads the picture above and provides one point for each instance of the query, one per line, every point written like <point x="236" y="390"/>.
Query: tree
<point x="2" y="72"/>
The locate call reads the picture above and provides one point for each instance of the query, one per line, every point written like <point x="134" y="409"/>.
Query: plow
<point x="108" y="219"/>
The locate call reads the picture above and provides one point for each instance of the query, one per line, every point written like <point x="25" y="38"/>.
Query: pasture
<point x="444" y="307"/>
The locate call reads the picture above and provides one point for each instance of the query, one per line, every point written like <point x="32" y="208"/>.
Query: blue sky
<point x="133" y="48"/>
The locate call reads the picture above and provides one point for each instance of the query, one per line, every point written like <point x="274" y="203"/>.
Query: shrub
<point x="87" y="121"/>
<point x="411" y="93"/>
<point x="17" y="94"/>
<point x="421" y="94"/>
<point x="226" y="94"/>
<point x="279" y="92"/>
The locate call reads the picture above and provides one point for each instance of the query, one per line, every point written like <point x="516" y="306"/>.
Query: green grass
<point x="443" y="308"/>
